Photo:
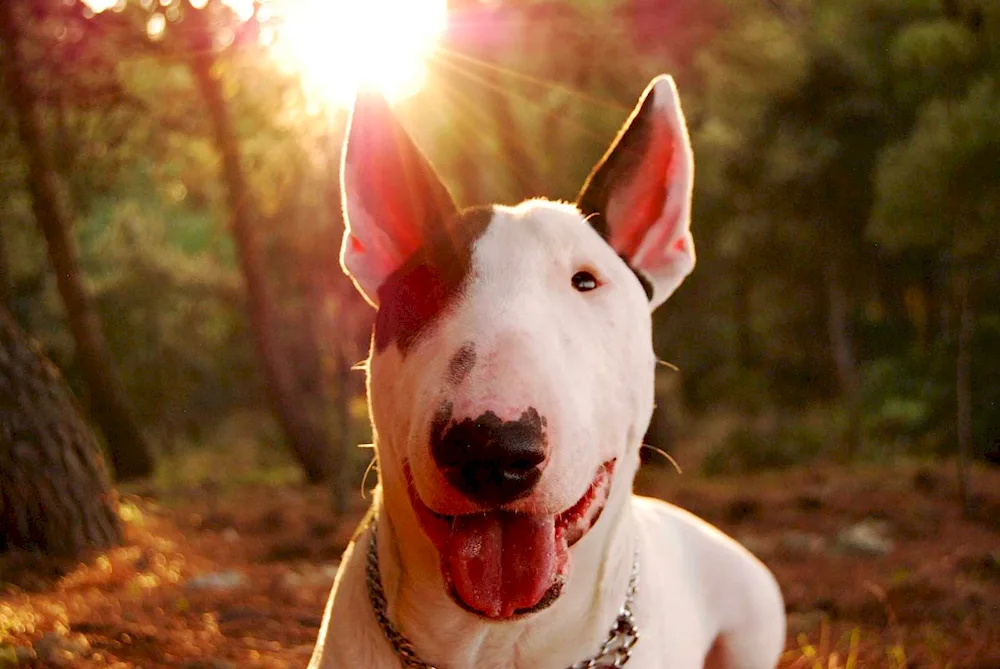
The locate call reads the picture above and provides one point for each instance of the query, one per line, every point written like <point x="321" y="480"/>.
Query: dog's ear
<point x="639" y="195"/>
<point x="392" y="197"/>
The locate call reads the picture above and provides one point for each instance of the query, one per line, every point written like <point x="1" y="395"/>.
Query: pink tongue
<point x="502" y="561"/>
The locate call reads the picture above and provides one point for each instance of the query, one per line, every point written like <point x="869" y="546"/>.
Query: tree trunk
<point x="745" y="358"/>
<point x="6" y="287"/>
<point x="126" y="445"/>
<point x="963" y="386"/>
<point x="305" y="432"/>
<point x="54" y="495"/>
<point x="844" y="360"/>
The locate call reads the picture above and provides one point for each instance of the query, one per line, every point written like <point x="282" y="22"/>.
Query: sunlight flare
<point x="339" y="45"/>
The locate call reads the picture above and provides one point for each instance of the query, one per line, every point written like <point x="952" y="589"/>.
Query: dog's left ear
<point x="639" y="195"/>
<point x="392" y="197"/>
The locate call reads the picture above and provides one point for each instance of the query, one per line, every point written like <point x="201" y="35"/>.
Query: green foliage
<point x="932" y="52"/>
<point x="905" y="137"/>
<point x="179" y="333"/>
<point x="774" y="446"/>
<point x="905" y="399"/>
<point x="939" y="188"/>
<point x="840" y="144"/>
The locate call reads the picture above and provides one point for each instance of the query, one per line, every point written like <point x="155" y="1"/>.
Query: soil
<point x="932" y="601"/>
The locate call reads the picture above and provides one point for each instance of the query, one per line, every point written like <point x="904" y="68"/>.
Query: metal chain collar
<point x="615" y="651"/>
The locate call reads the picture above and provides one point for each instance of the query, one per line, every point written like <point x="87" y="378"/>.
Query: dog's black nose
<point x="490" y="461"/>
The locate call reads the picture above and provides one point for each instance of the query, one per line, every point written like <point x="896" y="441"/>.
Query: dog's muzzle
<point x="501" y="564"/>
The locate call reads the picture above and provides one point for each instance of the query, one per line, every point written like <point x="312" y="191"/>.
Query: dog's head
<point x="511" y="372"/>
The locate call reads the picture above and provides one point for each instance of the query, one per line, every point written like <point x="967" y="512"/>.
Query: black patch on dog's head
<point x="414" y="296"/>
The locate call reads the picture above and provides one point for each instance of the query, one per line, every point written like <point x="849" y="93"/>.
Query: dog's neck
<point x="449" y="637"/>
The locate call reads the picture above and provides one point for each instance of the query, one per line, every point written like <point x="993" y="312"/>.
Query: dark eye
<point x="584" y="281"/>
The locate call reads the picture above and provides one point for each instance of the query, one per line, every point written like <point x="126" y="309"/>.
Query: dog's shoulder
<point x="720" y="560"/>
<point x="741" y="593"/>
<point x="673" y="523"/>
<point x="349" y="635"/>
<point x="708" y="552"/>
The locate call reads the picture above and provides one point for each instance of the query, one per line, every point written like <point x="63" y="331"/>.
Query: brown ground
<point x="933" y="602"/>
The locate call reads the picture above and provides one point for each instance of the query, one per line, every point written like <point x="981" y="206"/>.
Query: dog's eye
<point x="584" y="281"/>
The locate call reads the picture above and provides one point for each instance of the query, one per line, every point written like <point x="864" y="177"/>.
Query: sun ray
<point x="546" y="84"/>
<point x="597" y="134"/>
<point x="518" y="170"/>
<point x="473" y="115"/>
<point x="468" y="118"/>
<point x="494" y="79"/>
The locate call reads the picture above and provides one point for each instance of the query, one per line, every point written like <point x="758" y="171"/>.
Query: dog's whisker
<point x="360" y="366"/>
<point x="669" y="365"/>
<point x="364" y="478"/>
<point x="366" y="445"/>
<point x="666" y="455"/>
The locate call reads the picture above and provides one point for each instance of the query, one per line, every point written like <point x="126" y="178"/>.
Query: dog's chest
<point x="670" y="642"/>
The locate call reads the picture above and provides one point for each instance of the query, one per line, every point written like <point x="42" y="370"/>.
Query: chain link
<point x="623" y="635"/>
<point x="614" y="653"/>
<point x="400" y="644"/>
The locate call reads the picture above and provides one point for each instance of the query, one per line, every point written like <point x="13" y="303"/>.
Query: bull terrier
<point x="510" y="383"/>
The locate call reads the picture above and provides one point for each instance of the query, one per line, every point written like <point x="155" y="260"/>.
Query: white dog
<point x="510" y="385"/>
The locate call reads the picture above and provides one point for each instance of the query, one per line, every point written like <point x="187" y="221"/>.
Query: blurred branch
<point x="794" y="15"/>
<point x="5" y="282"/>
<point x="102" y="96"/>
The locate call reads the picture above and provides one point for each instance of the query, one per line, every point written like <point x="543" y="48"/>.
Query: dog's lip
<point x="571" y="512"/>
<point x="437" y="526"/>
<point x="577" y="512"/>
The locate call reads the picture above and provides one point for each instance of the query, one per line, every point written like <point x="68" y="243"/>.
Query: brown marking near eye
<point x="414" y="297"/>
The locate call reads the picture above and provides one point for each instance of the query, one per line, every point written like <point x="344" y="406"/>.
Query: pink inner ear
<point x="643" y="203"/>
<point x="400" y="209"/>
<point x="392" y="195"/>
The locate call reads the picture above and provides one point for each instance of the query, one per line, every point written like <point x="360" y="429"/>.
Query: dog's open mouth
<point x="502" y="564"/>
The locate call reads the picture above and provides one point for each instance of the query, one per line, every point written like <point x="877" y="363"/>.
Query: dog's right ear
<point x="639" y="195"/>
<point x="391" y="195"/>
